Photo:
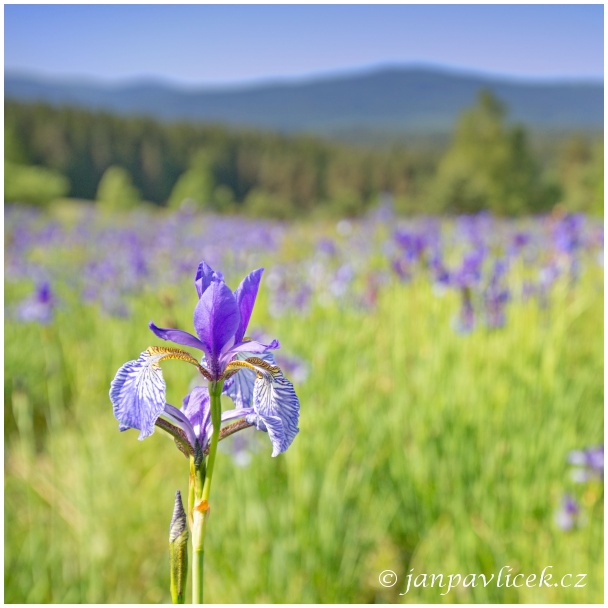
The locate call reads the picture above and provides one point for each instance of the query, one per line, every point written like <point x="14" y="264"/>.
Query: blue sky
<point x="221" y="44"/>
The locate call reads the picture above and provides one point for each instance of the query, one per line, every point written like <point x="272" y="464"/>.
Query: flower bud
<point x="178" y="551"/>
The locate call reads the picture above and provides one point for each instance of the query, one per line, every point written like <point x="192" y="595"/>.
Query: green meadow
<point x="421" y="451"/>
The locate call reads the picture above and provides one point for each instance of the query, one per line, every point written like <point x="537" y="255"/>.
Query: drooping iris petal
<point x="216" y="319"/>
<point x="227" y="416"/>
<point x="235" y="414"/>
<point x="276" y="405"/>
<point x="273" y="425"/>
<point x="181" y="421"/>
<point x="197" y="408"/>
<point x="245" y="295"/>
<point x="177" y="335"/>
<point x="204" y="276"/>
<point x="240" y="388"/>
<point x="138" y="394"/>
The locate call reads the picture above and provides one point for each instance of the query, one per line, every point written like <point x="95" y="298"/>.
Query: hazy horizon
<point x="320" y="75"/>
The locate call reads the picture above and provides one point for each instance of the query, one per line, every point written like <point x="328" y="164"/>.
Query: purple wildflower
<point x="263" y="396"/>
<point x="297" y="368"/>
<point x="440" y="274"/>
<point x="469" y="273"/>
<point x="327" y="247"/>
<point x="241" y="448"/>
<point x="496" y="296"/>
<point x="567" y="232"/>
<point x="590" y="463"/>
<point x="411" y="244"/>
<point x="465" y="321"/>
<point x="568" y="515"/>
<point x="39" y="307"/>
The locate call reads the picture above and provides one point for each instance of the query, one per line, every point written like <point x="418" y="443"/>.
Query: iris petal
<point x="205" y="275"/>
<point x="245" y="295"/>
<point x="254" y="347"/>
<point x="276" y="406"/>
<point x="138" y="394"/>
<point x="178" y="419"/>
<point x="227" y="416"/>
<point x="177" y="335"/>
<point x="197" y="408"/>
<point x="240" y="387"/>
<point x="216" y="319"/>
<point x="234" y="414"/>
<point x="273" y="425"/>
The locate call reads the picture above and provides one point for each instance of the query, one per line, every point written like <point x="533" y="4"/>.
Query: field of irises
<point x="450" y="376"/>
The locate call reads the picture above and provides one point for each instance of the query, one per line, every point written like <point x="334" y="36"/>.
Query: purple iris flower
<point x="250" y="376"/>
<point x="241" y="448"/>
<point x="39" y="307"/>
<point x="568" y="232"/>
<point x="439" y="273"/>
<point x="412" y="245"/>
<point x="465" y="321"/>
<point x="567" y="517"/>
<point x="591" y="462"/>
<point x="469" y="273"/>
<point x="402" y="269"/>
<point x="220" y="320"/>
<point x="496" y="295"/>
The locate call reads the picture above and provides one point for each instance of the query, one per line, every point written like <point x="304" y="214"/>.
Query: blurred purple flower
<point x="412" y="245"/>
<point x="518" y="242"/>
<point x="469" y="273"/>
<point x="39" y="307"/>
<point x="327" y="247"/>
<point x="241" y="447"/>
<point x="568" y="515"/>
<point x="496" y="295"/>
<point x="295" y="367"/>
<point x="590" y="463"/>
<point x="439" y="273"/>
<point x="402" y="269"/>
<point x="568" y="232"/>
<point x="465" y="321"/>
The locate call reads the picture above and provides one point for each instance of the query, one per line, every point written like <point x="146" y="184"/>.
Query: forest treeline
<point x="119" y="161"/>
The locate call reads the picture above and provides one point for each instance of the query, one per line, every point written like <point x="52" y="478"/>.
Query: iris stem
<point x="202" y="487"/>
<point x="197" y="581"/>
<point x="197" y="480"/>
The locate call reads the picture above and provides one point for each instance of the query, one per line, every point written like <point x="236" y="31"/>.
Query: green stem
<point x="197" y="580"/>
<point x="215" y="392"/>
<point x="201" y="476"/>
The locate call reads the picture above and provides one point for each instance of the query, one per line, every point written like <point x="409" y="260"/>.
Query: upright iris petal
<point x="205" y="275"/>
<point x="246" y="295"/>
<point x="220" y="319"/>
<point x="216" y="319"/>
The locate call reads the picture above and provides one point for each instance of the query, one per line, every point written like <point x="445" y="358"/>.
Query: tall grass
<point x="419" y="449"/>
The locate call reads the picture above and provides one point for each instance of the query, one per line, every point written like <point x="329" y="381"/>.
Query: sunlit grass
<point x="419" y="448"/>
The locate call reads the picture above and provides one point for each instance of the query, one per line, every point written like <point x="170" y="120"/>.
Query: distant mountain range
<point x="390" y="100"/>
